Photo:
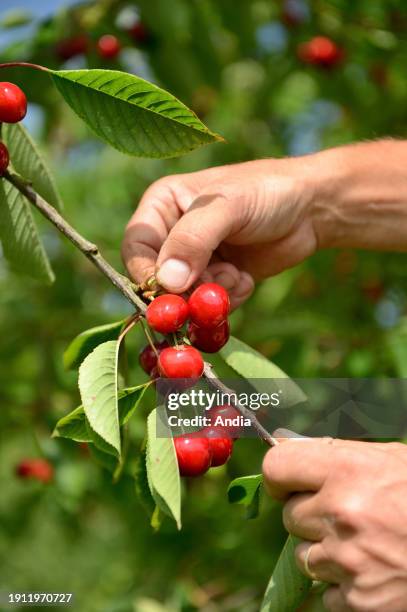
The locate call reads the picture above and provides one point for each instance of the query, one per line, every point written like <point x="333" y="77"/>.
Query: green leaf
<point x="104" y="459"/>
<point x="246" y="491"/>
<point x="74" y="425"/>
<point x="162" y="471"/>
<point x="288" y="587"/>
<point x="253" y="366"/>
<point x="141" y="483"/>
<point x="28" y="161"/>
<point x="22" y="246"/>
<point x="131" y="114"/>
<point x="88" y="340"/>
<point x="98" y="389"/>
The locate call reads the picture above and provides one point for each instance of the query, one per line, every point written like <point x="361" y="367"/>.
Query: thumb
<point x="189" y="246"/>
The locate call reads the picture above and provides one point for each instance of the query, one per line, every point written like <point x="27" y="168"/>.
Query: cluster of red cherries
<point x="206" y="312"/>
<point x="35" y="469"/>
<point x="13" y="108"/>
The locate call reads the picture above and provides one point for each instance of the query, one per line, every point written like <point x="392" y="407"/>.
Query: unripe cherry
<point x="220" y="445"/>
<point x="193" y="454"/>
<point x="181" y="361"/>
<point x="148" y="356"/>
<point x="209" y="339"/>
<point x="108" y="46"/>
<point x="13" y="103"/>
<point x="209" y="305"/>
<point x="4" y="158"/>
<point x="167" y="313"/>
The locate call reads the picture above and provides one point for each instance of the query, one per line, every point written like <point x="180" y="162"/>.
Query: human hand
<point x="230" y="225"/>
<point x="347" y="500"/>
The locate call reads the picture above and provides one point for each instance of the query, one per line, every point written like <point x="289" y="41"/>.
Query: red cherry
<point x="139" y="33"/>
<point x="225" y="412"/>
<point x="38" y="469"/>
<point x="220" y="445"/>
<point x="193" y="454"/>
<point x="4" y="158"/>
<point x="167" y="313"/>
<point x="13" y="103"/>
<point x="180" y="362"/>
<point x="148" y="357"/>
<point x="209" y="340"/>
<point x="320" y="51"/>
<point x="108" y="46"/>
<point x="70" y="47"/>
<point x="209" y="305"/>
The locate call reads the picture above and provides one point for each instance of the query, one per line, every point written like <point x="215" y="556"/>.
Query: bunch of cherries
<point x="13" y="108"/>
<point x="207" y="310"/>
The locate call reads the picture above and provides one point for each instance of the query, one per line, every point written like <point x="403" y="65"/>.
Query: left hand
<point x="348" y="501"/>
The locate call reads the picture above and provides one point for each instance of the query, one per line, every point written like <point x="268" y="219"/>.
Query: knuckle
<point x="348" y="558"/>
<point x="349" y="511"/>
<point x="359" y="602"/>
<point x="272" y="465"/>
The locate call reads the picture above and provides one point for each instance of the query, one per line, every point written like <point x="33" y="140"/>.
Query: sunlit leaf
<point x="98" y="388"/>
<point x="131" y="114"/>
<point x="162" y="471"/>
<point x="253" y="366"/>
<point x="85" y="342"/>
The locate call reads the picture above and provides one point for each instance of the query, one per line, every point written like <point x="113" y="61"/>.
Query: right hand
<point x="230" y="224"/>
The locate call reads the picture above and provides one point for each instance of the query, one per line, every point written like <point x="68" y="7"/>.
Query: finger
<point x="240" y="285"/>
<point x="302" y="518"/>
<point x="191" y="242"/>
<point x="148" y="228"/>
<point x="313" y="561"/>
<point x="299" y="464"/>
<point x="242" y="291"/>
<point x="334" y="601"/>
<point x="225" y="274"/>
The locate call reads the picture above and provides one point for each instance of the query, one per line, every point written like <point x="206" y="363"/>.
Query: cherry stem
<point x="148" y="336"/>
<point x="25" y="65"/>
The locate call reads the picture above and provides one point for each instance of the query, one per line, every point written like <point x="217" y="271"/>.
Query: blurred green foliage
<point x="338" y="314"/>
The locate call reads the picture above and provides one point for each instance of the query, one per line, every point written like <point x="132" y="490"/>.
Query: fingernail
<point x="226" y="280"/>
<point x="173" y="274"/>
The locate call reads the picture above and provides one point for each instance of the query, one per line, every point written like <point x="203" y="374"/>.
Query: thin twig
<point x="123" y="284"/>
<point x="87" y="248"/>
<point x="214" y="381"/>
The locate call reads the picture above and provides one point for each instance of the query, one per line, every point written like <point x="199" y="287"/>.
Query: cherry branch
<point x="89" y="249"/>
<point x="121" y="282"/>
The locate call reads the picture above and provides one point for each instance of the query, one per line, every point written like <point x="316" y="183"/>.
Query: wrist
<point x="359" y="196"/>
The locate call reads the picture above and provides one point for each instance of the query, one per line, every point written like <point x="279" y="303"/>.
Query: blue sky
<point x="38" y="8"/>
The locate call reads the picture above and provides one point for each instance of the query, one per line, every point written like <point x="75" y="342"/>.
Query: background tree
<point x="242" y="68"/>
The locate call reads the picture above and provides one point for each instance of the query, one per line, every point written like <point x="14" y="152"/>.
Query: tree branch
<point x="217" y="384"/>
<point x="122" y="283"/>
<point x="90" y="250"/>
